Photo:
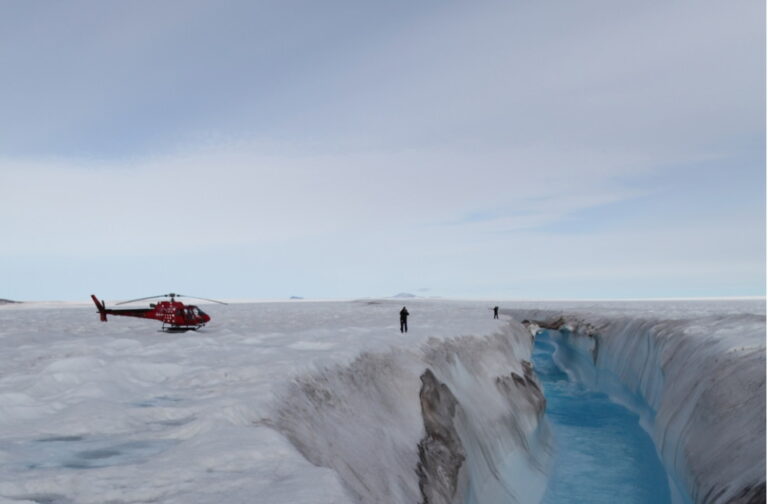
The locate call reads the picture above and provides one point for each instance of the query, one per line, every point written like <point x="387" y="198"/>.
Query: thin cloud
<point x="339" y="147"/>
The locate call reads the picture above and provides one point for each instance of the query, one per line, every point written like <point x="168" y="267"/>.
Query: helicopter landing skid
<point x="179" y="329"/>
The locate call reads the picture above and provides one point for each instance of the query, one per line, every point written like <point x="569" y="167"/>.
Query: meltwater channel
<point x="602" y="454"/>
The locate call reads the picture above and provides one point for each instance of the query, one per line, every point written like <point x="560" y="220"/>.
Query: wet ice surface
<point x="602" y="455"/>
<point x="79" y="452"/>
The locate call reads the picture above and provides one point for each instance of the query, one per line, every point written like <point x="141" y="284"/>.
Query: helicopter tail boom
<point x="102" y="309"/>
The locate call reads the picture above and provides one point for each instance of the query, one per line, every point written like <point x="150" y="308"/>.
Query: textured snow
<point x="93" y="412"/>
<point x="309" y="402"/>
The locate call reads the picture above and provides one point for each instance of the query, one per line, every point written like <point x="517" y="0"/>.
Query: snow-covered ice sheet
<point x="100" y="412"/>
<point x="322" y="402"/>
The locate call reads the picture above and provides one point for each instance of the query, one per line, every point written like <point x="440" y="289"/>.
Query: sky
<point x="264" y="149"/>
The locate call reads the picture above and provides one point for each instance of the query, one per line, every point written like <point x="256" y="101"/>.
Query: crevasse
<point x="698" y="385"/>
<point x="602" y="455"/>
<point x="456" y="421"/>
<point x="461" y="420"/>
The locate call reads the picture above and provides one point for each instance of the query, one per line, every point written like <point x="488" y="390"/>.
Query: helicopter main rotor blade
<point x="204" y="299"/>
<point x="142" y="299"/>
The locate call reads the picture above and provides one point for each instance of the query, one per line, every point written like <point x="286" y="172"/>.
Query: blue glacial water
<point x="602" y="455"/>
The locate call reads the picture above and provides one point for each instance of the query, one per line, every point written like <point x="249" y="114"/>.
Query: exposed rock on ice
<point x="441" y="453"/>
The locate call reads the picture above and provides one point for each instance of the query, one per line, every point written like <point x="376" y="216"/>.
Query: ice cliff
<point x="455" y="421"/>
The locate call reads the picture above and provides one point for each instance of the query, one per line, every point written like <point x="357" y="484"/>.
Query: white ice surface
<point x="94" y="412"/>
<point x="119" y="412"/>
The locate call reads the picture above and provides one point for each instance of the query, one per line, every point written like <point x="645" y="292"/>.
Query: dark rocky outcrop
<point x="441" y="453"/>
<point x="554" y="324"/>
<point x="533" y="393"/>
<point x="751" y="495"/>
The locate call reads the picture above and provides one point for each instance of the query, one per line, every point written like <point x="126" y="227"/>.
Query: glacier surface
<point x="326" y="402"/>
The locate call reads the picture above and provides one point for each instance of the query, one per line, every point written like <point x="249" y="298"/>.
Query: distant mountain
<point x="295" y="297"/>
<point x="405" y="295"/>
<point x="8" y="301"/>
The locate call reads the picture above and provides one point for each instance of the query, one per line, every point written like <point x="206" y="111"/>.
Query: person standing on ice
<point x="404" y="320"/>
<point x="495" y="312"/>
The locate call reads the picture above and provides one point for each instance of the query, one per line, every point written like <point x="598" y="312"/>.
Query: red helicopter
<point x="175" y="315"/>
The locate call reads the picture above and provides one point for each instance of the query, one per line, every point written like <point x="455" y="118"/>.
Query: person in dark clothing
<point x="404" y="320"/>
<point x="495" y="312"/>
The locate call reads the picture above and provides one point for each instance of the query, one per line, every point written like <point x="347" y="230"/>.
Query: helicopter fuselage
<point x="175" y="315"/>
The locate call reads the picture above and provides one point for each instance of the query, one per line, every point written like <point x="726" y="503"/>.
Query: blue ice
<point x="602" y="455"/>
